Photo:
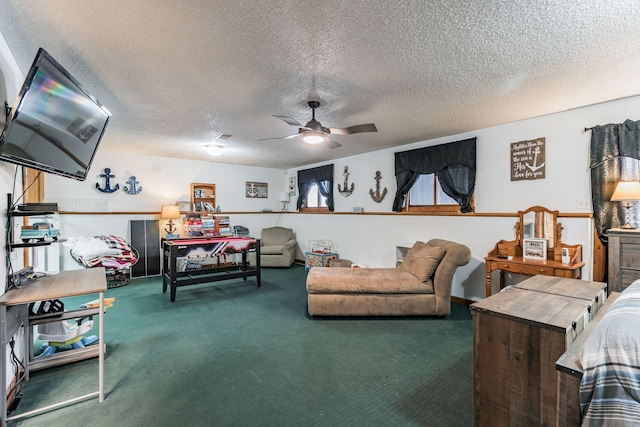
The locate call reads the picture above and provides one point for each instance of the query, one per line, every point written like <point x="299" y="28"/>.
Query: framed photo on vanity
<point x="534" y="249"/>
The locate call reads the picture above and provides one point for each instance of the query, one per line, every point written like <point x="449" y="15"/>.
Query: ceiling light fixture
<point x="214" y="150"/>
<point x="313" y="137"/>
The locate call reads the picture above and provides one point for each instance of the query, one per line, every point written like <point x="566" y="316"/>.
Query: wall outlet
<point x="584" y="204"/>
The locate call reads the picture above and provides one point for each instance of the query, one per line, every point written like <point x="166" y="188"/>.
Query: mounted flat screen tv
<point x="55" y="124"/>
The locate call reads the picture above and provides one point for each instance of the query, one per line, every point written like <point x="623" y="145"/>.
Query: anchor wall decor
<point x="377" y="197"/>
<point x="256" y="190"/>
<point x="346" y="191"/>
<point x="133" y="188"/>
<point x="107" y="187"/>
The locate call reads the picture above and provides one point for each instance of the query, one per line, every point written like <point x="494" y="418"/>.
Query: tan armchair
<point x="277" y="247"/>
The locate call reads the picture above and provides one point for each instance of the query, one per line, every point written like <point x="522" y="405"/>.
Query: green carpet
<point x="232" y="354"/>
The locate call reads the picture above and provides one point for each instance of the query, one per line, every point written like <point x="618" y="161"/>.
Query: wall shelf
<point x="203" y="197"/>
<point x="23" y="214"/>
<point x="33" y="245"/>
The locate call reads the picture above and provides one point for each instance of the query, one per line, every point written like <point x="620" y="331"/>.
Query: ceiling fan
<point x="314" y="133"/>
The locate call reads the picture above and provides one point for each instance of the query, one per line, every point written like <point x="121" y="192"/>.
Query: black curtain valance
<point x="614" y="140"/>
<point x="454" y="164"/>
<point x="314" y="175"/>
<point x="323" y="177"/>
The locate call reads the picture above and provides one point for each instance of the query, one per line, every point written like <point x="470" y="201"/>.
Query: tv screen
<point x="55" y="125"/>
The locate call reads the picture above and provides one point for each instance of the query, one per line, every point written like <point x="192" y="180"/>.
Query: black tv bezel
<point x="41" y="57"/>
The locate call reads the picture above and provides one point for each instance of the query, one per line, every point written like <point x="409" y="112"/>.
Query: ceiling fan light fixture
<point x="214" y="150"/>
<point x="313" y="137"/>
<point x="314" y="133"/>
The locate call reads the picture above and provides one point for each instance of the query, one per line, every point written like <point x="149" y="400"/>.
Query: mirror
<point x="538" y="223"/>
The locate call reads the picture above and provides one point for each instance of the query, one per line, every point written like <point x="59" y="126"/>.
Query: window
<point x="315" y="189"/>
<point x="426" y="195"/>
<point x="454" y="165"/>
<point x="314" y="200"/>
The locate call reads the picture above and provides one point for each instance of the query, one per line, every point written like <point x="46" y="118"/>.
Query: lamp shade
<point x="284" y="196"/>
<point x="170" y="212"/>
<point x="626" y="190"/>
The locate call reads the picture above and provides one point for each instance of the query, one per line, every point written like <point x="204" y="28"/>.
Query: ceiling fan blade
<point x="289" y="120"/>
<point x="331" y="144"/>
<point x="369" y="127"/>
<point x="282" y="137"/>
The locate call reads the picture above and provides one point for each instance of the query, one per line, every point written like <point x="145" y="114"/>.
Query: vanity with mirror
<point x="537" y="249"/>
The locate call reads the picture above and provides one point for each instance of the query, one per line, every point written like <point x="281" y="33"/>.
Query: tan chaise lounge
<point x="420" y="286"/>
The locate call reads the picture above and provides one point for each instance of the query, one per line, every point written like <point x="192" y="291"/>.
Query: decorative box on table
<point x="318" y="259"/>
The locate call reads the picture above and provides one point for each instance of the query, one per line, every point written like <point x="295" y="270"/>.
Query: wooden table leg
<point x="488" y="279"/>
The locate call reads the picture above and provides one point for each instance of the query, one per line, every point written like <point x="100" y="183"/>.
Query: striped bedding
<point x="610" y="385"/>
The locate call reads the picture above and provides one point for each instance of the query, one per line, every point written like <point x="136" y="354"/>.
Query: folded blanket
<point x="102" y="251"/>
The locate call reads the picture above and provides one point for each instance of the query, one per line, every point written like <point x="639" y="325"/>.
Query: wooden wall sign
<point x="528" y="160"/>
<point x="256" y="190"/>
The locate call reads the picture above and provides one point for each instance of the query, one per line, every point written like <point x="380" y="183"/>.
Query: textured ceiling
<point x="175" y="74"/>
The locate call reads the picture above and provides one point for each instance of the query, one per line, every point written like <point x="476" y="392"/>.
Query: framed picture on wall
<point x="292" y="185"/>
<point x="256" y="190"/>
<point x="534" y="249"/>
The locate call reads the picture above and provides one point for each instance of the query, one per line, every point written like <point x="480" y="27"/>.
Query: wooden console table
<point x="64" y="284"/>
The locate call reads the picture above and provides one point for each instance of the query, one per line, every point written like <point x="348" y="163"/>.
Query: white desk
<point x="64" y="284"/>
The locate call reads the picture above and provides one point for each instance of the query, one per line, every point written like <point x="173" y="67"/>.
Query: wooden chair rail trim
<point x="473" y="214"/>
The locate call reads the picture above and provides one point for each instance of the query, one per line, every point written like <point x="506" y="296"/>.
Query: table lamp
<point x="170" y="212"/>
<point x="625" y="192"/>
<point x="284" y="198"/>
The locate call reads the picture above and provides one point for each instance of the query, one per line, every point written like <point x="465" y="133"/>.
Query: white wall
<point x="163" y="181"/>
<point x="368" y="239"/>
<point x="372" y="239"/>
